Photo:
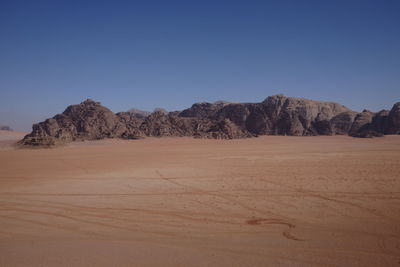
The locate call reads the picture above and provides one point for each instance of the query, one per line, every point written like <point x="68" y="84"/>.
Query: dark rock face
<point x="276" y="115"/>
<point x="393" y="120"/>
<point x="5" y="128"/>
<point x="369" y="124"/>
<point x="341" y="123"/>
<point x="362" y="125"/>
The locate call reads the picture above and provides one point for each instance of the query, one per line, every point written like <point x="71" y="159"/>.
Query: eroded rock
<point x="276" y="115"/>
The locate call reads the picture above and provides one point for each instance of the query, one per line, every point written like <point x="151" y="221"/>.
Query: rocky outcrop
<point x="276" y="115"/>
<point x="363" y="126"/>
<point x="370" y="124"/>
<point x="393" y="120"/>
<point x="341" y="123"/>
<point x="297" y="116"/>
<point x="86" y="121"/>
<point x="280" y="115"/>
<point x="161" y="124"/>
<point x="132" y="122"/>
<point x="224" y="129"/>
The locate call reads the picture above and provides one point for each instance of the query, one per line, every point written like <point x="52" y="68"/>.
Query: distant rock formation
<point x="5" y="128"/>
<point x="276" y="115"/>
<point x="279" y="115"/>
<point x="87" y="121"/>
<point x="393" y="120"/>
<point x="139" y="113"/>
<point x="171" y="124"/>
<point x="370" y="124"/>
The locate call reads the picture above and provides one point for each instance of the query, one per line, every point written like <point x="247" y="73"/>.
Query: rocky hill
<point x="276" y="115"/>
<point x="280" y="115"/>
<point x="87" y="121"/>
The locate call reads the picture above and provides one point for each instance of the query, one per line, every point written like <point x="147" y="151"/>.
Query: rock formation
<point x="276" y="115"/>
<point x="139" y="113"/>
<point x="393" y="120"/>
<point x="5" y="128"/>
<point x="161" y="124"/>
<point x="87" y="121"/>
<point x="368" y="124"/>
<point x="279" y="115"/>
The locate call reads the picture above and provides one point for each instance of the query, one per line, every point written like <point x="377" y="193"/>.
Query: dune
<point x="267" y="201"/>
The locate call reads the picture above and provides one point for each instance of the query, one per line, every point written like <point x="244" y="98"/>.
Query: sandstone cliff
<point x="276" y="115"/>
<point x="280" y="115"/>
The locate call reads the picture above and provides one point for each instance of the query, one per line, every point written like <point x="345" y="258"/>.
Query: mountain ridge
<point x="275" y="115"/>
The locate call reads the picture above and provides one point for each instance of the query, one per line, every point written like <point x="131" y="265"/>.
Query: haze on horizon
<point x="171" y="54"/>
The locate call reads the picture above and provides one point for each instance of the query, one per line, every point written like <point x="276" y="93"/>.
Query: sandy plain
<point x="267" y="201"/>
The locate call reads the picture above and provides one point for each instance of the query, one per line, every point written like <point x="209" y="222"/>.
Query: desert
<point x="199" y="133"/>
<point x="180" y="201"/>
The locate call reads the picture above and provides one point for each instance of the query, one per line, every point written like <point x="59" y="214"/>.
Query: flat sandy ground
<point x="268" y="201"/>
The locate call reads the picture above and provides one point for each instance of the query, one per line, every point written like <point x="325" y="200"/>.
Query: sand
<point x="267" y="201"/>
<point x="9" y="138"/>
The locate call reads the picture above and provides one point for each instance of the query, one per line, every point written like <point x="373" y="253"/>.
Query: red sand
<point x="268" y="201"/>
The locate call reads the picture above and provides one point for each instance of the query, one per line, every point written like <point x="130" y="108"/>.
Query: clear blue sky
<point x="170" y="54"/>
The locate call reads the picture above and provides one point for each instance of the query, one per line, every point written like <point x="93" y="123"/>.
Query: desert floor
<point x="267" y="201"/>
